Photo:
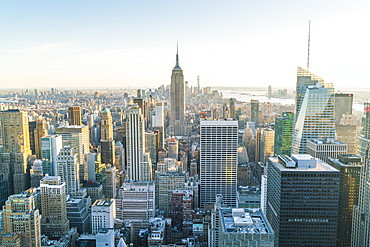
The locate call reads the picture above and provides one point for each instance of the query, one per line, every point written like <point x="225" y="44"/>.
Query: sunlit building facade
<point x="218" y="161"/>
<point x="314" y="111"/>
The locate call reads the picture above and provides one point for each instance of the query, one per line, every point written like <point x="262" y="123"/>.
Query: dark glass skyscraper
<point x="349" y="166"/>
<point x="302" y="201"/>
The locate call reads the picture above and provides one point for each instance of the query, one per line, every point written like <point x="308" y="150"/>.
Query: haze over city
<point x="132" y="44"/>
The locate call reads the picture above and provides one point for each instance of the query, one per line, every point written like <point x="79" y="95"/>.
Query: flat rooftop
<point x="321" y="166"/>
<point x="326" y="141"/>
<point x="244" y="221"/>
<point x="103" y="203"/>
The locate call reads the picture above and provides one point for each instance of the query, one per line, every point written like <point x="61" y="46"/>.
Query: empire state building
<point x="177" y="100"/>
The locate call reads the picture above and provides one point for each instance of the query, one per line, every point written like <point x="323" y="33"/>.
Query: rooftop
<point x="244" y="220"/>
<point x="103" y="203"/>
<point x="320" y="166"/>
<point x="326" y="141"/>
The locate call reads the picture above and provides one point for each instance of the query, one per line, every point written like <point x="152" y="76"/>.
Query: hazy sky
<point x="228" y="43"/>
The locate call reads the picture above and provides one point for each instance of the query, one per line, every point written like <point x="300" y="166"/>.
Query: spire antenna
<point x="309" y="39"/>
<point x="177" y="55"/>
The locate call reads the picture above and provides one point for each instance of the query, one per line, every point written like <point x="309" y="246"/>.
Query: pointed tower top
<point x="177" y="57"/>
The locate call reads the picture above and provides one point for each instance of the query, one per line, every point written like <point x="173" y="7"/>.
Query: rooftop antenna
<point x="309" y="38"/>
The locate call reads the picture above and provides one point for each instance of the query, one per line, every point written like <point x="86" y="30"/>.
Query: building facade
<point x="302" y="201"/>
<point x="218" y="161"/>
<point x="314" y="111"/>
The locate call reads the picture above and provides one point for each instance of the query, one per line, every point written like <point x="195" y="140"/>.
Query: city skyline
<point x="72" y="44"/>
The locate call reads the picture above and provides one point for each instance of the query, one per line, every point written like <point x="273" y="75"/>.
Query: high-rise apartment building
<point x="177" y="101"/>
<point x="255" y="105"/>
<point x="103" y="214"/>
<point x="138" y="165"/>
<point x="68" y="170"/>
<point x="54" y="222"/>
<point x="40" y="131"/>
<point x="107" y="143"/>
<point x="74" y="115"/>
<point x="349" y="166"/>
<point x="50" y="148"/>
<point x="302" y="201"/>
<point x="218" y="161"/>
<point x="283" y="134"/>
<point x="15" y="152"/>
<point x="77" y="137"/>
<point x="21" y="216"/>
<point x="314" y="111"/>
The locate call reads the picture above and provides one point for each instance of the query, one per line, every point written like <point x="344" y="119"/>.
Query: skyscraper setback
<point x="177" y="99"/>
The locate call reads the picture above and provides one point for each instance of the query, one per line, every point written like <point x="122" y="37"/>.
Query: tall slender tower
<point x="177" y="99"/>
<point x="138" y="167"/>
<point x="218" y="161"/>
<point x="107" y="142"/>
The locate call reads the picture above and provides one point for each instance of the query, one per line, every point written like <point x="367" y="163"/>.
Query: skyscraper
<point x="343" y="105"/>
<point x="349" y="166"/>
<point x="254" y="111"/>
<point x="314" y="111"/>
<point x="50" y="148"/>
<point x="218" y="161"/>
<point x="54" y="222"/>
<point x="177" y="99"/>
<point x="107" y="143"/>
<point x="283" y="134"/>
<point x="364" y="137"/>
<point x="138" y="165"/>
<point x="74" y="115"/>
<point x="361" y="212"/>
<point x="68" y="170"/>
<point x="16" y="150"/>
<point x="302" y="201"/>
<point x="77" y="137"/>
<point x="40" y="131"/>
